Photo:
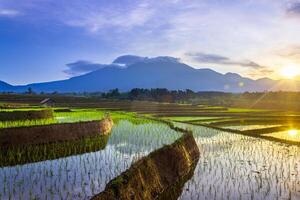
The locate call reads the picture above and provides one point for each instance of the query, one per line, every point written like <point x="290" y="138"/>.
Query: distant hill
<point x="5" y="87"/>
<point x="127" y="72"/>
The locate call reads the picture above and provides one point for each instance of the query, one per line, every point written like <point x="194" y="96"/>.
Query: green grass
<point x="35" y="153"/>
<point x="244" y="110"/>
<point x="190" y="118"/>
<point x="27" y="123"/>
<point x="22" y="109"/>
<point x="77" y="115"/>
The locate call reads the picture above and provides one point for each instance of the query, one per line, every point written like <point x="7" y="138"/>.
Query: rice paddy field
<point x="250" y="127"/>
<point x="290" y="135"/>
<point x="82" y="176"/>
<point x="244" y="153"/>
<point x="234" y="166"/>
<point x="77" y="115"/>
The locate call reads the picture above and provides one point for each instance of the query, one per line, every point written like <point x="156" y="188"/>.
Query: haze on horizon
<point x="47" y="40"/>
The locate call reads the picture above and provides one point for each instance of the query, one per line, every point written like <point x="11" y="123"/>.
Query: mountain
<point x="158" y="72"/>
<point x="5" y="87"/>
<point x="129" y="59"/>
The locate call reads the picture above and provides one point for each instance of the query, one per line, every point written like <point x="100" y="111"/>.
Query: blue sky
<point x="40" y="40"/>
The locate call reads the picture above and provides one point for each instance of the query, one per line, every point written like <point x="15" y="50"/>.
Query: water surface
<point x="82" y="176"/>
<point x="234" y="166"/>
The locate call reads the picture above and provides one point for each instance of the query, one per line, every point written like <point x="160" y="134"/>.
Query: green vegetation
<point x="77" y="115"/>
<point x="232" y="165"/>
<point x="245" y="110"/>
<point x="151" y="176"/>
<point x="82" y="175"/>
<point x="35" y="153"/>
<point x="221" y="130"/>
<point x="28" y="108"/>
<point x="25" y="123"/>
<point x="13" y="115"/>
<point x="250" y="127"/>
<point x="187" y="118"/>
<point x="250" y="122"/>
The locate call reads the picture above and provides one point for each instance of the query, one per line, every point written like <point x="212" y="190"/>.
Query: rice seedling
<point x="82" y="176"/>
<point x="250" y="127"/>
<point x="230" y="167"/>
<point x="234" y="166"/>
<point x="187" y="118"/>
<point x="26" y="123"/>
<point x="35" y="153"/>
<point x="78" y="115"/>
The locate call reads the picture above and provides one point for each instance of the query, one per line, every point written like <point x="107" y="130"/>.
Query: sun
<point x="290" y="72"/>
<point x="292" y="132"/>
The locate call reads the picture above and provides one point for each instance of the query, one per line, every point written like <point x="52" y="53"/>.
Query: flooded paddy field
<point x="232" y="165"/>
<point x="250" y="127"/>
<point x="200" y="119"/>
<point x="76" y="115"/>
<point x="289" y="135"/>
<point x="82" y="176"/>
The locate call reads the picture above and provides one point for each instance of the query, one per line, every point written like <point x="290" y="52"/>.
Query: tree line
<point x="279" y="99"/>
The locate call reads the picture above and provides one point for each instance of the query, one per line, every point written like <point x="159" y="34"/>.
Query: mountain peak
<point x="264" y="79"/>
<point x="164" y="59"/>
<point x="149" y="72"/>
<point x="4" y="83"/>
<point x="132" y="59"/>
<point x="233" y="75"/>
<point x="128" y="59"/>
<point x="5" y="86"/>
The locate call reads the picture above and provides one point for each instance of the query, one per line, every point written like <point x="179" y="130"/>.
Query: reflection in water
<point x="82" y="176"/>
<point x="250" y="127"/>
<point x="143" y="138"/>
<point x="174" y="192"/>
<point x="196" y="130"/>
<point x="247" y="168"/>
<point x="290" y="135"/>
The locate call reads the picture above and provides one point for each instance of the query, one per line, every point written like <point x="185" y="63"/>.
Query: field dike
<point x="25" y="115"/>
<point x="20" y="155"/>
<point x="154" y="176"/>
<point x="54" y="132"/>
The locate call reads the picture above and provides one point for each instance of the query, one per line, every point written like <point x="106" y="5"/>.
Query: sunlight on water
<point x="290" y="135"/>
<point x="233" y="166"/>
<point x="249" y="127"/>
<point x="82" y="176"/>
<point x="293" y="132"/>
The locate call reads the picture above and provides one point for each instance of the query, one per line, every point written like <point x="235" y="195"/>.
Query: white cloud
<point x="9" y="12"/>
<point x="240" y="29"/>
<point x="95" y="20"/>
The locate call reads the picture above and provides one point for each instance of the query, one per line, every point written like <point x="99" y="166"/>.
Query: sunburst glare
<point x="293" y="132"/>
<point x="290" y="72"/>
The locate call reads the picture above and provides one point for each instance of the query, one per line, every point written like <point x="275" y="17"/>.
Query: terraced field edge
<point x="154" y="175"/>
<point x="54" y="132"/>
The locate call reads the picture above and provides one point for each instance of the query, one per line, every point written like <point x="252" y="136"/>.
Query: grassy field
<point x="214" y="116"/>
<point x="77" y="115"/>
<point x="236" y="120"/>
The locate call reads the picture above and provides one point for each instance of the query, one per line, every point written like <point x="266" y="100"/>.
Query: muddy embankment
<point x="156" y="176"/>
<point x="19" y="155"/>
<point x="25" y="115"/>
<point x="58" y="110"/>
<point x="53" y="133"/>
